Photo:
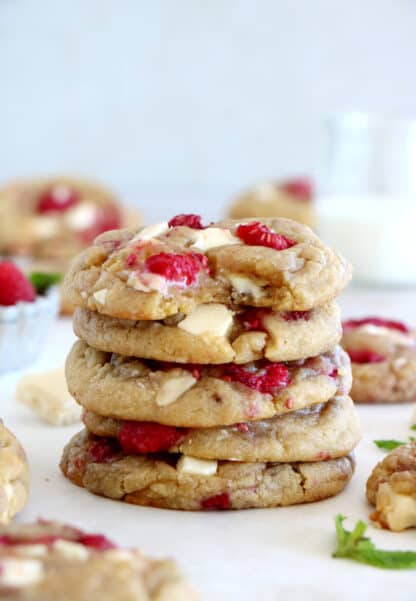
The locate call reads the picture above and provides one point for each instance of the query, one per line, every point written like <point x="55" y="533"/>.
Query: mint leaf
<point x="413" y="427"/>
<point x="354" y="545"/>
<point x="43" y="281"/>
<point x="390" y="444"/>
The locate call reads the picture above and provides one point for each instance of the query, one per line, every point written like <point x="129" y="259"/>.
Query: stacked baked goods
<point x="208" y="366"/>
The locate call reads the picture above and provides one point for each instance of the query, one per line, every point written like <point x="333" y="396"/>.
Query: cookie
<point x="214" y="333"/>
<point x="50" y="561"/>
<point x="162" y="270"/>
<point x="14" y="476"/>
<point x="180" y="482"/>
<point x="383" y="356"/>
<point x="321" y="431"/>
<point x="201" y="396"/>
<point x="392" y="489"/>
<point x="292" y="199"/>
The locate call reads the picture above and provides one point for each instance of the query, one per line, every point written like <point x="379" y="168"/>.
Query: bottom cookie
<point x="179" y="482"/>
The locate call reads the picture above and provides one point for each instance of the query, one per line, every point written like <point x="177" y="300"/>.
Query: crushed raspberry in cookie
<point x="258" y="234"/>
<point x="252" y="319"/>
<point x="221" y="501"/>
<point x="177" y="268"/>
<point x="148" y="437"/>
<point x="103" y="450"/>
<point x="267" y="379"/>
<point x="189" y="220"/>
<point x="98" y="542"/>
<point x="301" y="188"/>
<point x="296" y="315"/>
<point x="365" y="356"/>
<point x="108" y="218"/>
<point x="57" y="200"/>
<point x="14" y="285"/>
<point x="131" y="260"/>
<point x="391" y="324"/>
<point x="242" y="428"/>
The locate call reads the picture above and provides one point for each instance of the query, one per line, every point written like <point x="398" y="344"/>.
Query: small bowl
<point x="24" y="328"/>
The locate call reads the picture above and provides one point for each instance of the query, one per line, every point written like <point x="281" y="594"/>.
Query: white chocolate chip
<point x="399" y="362"/>
<point x="20" y="572"/>
<point x="173" y="388"/>
<point x="399" y="511"/>
<point x="81" y="217"/>
<point x="147" y="282"/>
<point x="84" y="294"/>
<point x="71" y="550"/>
<point x="395" y="336"/>
<point x="121" y="555"/>
<point x="198" y="467"/>
<point x="213" y="237"/>
<point x="214" y="319"/>
<point x="45" y="227"/>
<point x="245" y="285"/>
<point x="100" y="296"/>
<point x="151" y="231"/>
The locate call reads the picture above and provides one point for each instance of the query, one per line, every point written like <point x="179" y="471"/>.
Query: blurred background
<point x="180" y="105"/>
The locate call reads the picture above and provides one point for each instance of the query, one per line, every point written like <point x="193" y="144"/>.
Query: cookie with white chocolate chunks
<point x="392" y="489"/>
<point x="201" y="396"/>
<point x="321" y="431"/>
<point x="50" y="561"/>
<point x="14" y="476"/>
<point x="383" y="357"/>
<point x="183" y="482"/>
<point x="170" y="268"/>
<point x="215" y="333"/>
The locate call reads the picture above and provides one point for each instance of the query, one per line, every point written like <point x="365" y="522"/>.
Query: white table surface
<point x="253" y="555"/>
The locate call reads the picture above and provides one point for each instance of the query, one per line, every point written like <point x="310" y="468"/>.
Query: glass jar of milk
<point x="367" y="196"/>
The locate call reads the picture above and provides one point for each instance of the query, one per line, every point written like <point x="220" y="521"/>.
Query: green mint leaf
<point x="43" y="281"/>
<point x="413" y="427"/>
<point x="355" y="546"/>
<point x="388" y="445"/>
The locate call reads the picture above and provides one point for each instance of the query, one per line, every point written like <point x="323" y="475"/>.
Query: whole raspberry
<point x="365" y="356"/>
<point x="258" y="234"/>
<point x="391" y="324"/>
<point x="296" y="315"/>
<point x="103" y="450"/>
<point x="148" y="437"/>
<point x="107" y="218"/>
<point x="302" y="189"/>
<point x="252" y="319"/>
<point x="14" y="285"/>
<point x="189" y="220"/>
<point x="267" y="379"/>
<point x="221" y="501"/>
<point x="98" y="542"/>
<point x="177" y="268"/>
<point x="57" y="199"/>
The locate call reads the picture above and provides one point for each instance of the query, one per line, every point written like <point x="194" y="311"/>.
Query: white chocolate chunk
<point x="197" y="467"/>
<point x="20" y="572"/>
<point x="71" y="550"/>
<point x="147" y="282"/>
<point x="81" y="216"/>
<point x="45" y="227"/>
<point x="173" y="388"/>
<point x="395" y="336"/>
<point x="100" y="296"/>
<point x="245" y="285"/>
<point x="151" y="231"/>
<point x="213" y="237"/>
<point x="121" y="555"/>
<point x="47" y="394"/>
<point x="214" y="319"/>
<point x="399" y="511"/>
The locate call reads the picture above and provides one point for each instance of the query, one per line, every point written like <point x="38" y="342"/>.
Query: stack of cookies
<point x="208" y="366"/>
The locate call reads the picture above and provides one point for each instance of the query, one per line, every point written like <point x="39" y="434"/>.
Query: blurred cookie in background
<point x="292" y="199"/>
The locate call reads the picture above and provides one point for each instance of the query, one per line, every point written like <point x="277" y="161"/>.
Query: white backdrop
<point x="178" y="104"/>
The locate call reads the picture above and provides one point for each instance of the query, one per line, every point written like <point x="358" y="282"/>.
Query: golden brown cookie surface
<point x="14" y="476"/>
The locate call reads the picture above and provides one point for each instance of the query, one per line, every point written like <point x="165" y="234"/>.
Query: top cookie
<point x="169" y="268"/>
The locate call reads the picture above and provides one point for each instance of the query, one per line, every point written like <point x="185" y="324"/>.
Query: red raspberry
<point x="252" y="319"/>
<point x="108" y="218"/>
<point x="296" y="315"/>
<point x="177" y="268"/>
<point x="375" y="321"/>
<point x="103" y="450"/>
<point x="242" y="428"/>
<point x="131" y="260"/>
<point x="189" y="220"/>
<point x="258" y="234"/>
<point x="301" y="189"/>
<point x="57" y="199"/>
<point x="98" y="542"/>
<point x="364" y="356"/>
<point x="148" y="437"/>
<point x="221" y="501"/>
<point x="14" y="285"/>
<point x="267" y="379"/>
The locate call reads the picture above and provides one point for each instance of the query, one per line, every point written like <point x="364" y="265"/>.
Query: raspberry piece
<point x="258" y="234"/>
<point x="57" y="199"/>
<point x="103" y="450"/>
<point x="177" y="268"/>
<point x="375" y="321"/>
<point x="296" y="315"/>
<point x="14" y="285"/>
<point x="252" y="319"/>
<point x="148" y="437"/>
<point x="131" y="260"/>
<point x="108" y="218"/>
<point x="221" y="501"/>
<point x="189" y="220"/>
<point x="301" y="188"/>
<point x="364" y="356"/>
<point x="97" y="542"/>
<point x="242" y="428"/>
<point x="267" y="379"/>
